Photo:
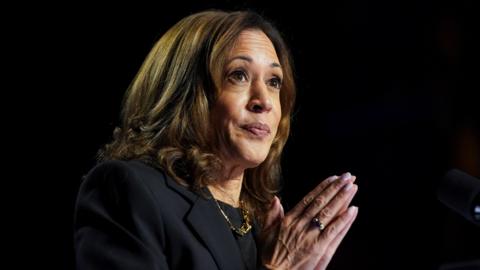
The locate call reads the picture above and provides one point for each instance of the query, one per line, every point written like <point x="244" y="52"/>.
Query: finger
<point x="337" y="225"/>
<point x="345" y="206"/>
<point x="324" y="198"/>
<point x="274" y="214"/>
<point x="300" y="207"/>
<point x="347" y="203"/>
<point x="338" y="239"/>
<point x="336" y="205"/>
<point x="304" y="224"/>
<point x="282" y="212"/>
<point x="332" y="248"/>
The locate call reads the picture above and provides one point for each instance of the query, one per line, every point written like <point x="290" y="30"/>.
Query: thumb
<point x="274" y="214"/>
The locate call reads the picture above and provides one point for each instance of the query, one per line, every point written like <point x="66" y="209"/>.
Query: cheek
<point x="233" y="108"/>
<point x="227" y="117"/>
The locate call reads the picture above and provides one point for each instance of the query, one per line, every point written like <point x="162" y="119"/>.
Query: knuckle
<point x="330" y="231"/>
<point x="325" y="259"/>
<point x="326" y="213"/>
<point x="344" y="194"/>
<point x="324" y="184"/>
<point x="307" y="200"/>
<point x="339" y="184"/>
<point x="320" y="201"/>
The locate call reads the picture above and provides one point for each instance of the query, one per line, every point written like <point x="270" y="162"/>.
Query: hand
<point x="292" y="242"/>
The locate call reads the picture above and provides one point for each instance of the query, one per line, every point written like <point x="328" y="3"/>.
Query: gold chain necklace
<point x="242" y="230"/>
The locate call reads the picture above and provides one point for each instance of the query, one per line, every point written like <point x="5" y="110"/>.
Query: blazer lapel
<point x="205" y="219"/>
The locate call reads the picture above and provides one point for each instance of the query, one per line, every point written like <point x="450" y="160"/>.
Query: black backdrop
<point x="386" y="90"/>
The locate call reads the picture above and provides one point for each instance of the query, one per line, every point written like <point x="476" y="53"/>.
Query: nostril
<point x="257" y="108"/>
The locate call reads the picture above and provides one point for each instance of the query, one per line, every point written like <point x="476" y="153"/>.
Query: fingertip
<point x="332" y="178"/>
<point x="276" y="200"/>
<point x="275" y="203"/>
<point x="274" y="213"/>
<point x="346" y="176"/>
<point x="353" y="210"/>
<point x="353" y="178"/>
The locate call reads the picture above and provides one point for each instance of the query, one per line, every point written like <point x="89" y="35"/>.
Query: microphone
<point x="461" y="192"/>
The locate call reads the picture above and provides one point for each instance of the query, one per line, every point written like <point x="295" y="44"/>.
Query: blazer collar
<point x="210" y="226"/>
<point x="206" y="220"/>
<point x="189" y="195"/>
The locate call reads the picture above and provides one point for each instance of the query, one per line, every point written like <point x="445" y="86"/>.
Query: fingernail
<point x="348" y="186"/>
<point x="346" y="176"/>
<point x="332" y="178"/>
<point x="352" y="210"/>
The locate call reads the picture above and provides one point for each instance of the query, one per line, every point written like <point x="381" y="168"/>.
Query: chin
<point x="252" y="153"/>
<point x="254" y="161"/>
<point x="252" y="164"/>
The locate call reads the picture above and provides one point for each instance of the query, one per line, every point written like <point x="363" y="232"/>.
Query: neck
<point x="229" y="187"/>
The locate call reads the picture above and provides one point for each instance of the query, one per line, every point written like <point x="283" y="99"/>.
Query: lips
<point x="257" y="129"/>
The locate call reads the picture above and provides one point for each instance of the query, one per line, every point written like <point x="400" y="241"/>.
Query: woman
<point x="190" y="178"/>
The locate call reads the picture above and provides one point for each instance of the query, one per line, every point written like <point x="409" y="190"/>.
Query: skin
<point x="246" y="118"/>
<point x="289" y="241"/>
<point x="250" y="95"/>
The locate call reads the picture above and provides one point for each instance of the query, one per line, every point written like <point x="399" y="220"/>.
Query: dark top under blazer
<point x="132" y="216"/>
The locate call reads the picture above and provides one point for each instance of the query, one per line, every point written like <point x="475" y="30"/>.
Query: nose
<point x="260" y="100"/>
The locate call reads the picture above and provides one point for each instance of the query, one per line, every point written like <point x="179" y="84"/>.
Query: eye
<point x="276" y="82"/>
<point x="238" y="76"/>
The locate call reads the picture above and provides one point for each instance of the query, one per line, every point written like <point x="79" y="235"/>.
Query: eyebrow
<point x="250" y="60"/>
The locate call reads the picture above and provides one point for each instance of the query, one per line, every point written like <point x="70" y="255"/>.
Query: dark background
<point x="386" y="90"/>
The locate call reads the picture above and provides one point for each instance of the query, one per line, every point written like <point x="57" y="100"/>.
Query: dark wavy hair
<point x="166" y="110"/>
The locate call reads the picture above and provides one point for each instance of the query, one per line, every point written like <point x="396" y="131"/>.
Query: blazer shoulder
<point x="116" y="180"/>
<point x="117" y="212"/>
<point x="133" y="175"/>
<point x="119" y="171"/>
<point x="126" y="168"/>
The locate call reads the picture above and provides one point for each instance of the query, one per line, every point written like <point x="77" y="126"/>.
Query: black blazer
<point x="132" y="216"/>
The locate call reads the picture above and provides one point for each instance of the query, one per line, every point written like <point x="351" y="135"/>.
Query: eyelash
<point x="237" y="73"/>
<point x="275" y="82"/>
<point x="278" y="81"/>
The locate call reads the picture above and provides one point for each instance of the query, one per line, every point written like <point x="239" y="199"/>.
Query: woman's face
<point x="247" y="112"/>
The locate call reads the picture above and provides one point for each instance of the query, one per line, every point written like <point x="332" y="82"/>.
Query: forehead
<point x="254" y="41"/>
